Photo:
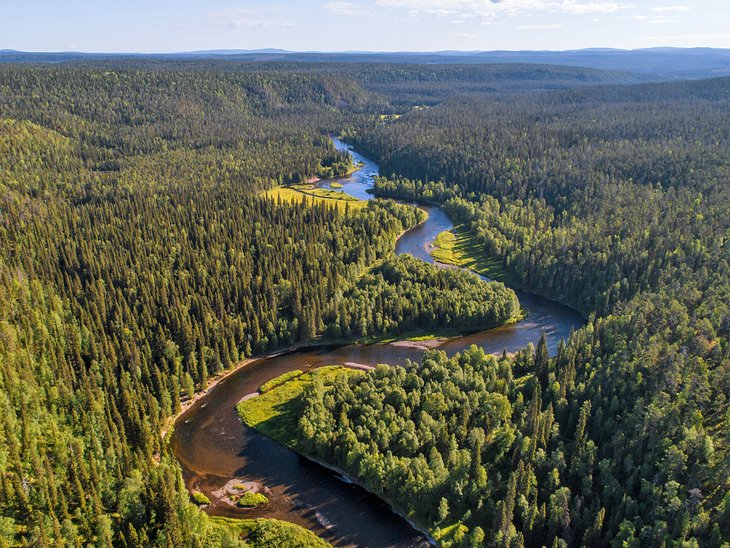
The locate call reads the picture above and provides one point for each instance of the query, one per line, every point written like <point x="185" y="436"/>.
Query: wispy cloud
<point x="462" y="35"/>
<point x="540" y="27"/>
<point x="346" y="8"/>
<point x="242" y="19"/>
<point x="670" y="9"/>
<point x="663" y="21"/>
<point x="589" y="7"/>
<point x="489" y="9"/>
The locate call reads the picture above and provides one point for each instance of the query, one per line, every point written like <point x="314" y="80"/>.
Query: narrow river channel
<point x="214" y="446"/>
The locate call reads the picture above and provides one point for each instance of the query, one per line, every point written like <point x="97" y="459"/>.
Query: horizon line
<point x="273" y="50"/>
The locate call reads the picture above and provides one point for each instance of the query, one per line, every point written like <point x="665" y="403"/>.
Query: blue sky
<point x="376" y="25"/>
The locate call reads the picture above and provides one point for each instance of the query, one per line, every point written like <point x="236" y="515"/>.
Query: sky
<point x="360" y="25"/>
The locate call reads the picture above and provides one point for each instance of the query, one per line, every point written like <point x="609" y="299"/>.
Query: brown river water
<point x="214" y="446"/>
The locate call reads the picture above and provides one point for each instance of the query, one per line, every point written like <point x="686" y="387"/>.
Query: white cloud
<point x="670" y="9"/>
<point x="462" y="35"/>
<point x="238" y="19"/>
<point x="344" y="8"/>
<point x="663" y="21"/>
<point x="540" y="27"/>
<point x="235" y="19"/>
<point x="489" y="9"/>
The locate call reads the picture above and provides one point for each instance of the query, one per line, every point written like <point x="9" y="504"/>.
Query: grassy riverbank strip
<point x="296" y="193"/>
<point x="276" y="412"/>
<point x="459" y="247"/>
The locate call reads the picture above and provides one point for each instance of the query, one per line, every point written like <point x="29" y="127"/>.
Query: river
<point x="214" y="446"/>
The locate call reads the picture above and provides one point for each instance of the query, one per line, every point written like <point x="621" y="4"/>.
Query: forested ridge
<point x="616" y="201"/>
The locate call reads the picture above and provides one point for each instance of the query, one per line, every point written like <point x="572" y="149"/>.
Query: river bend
<point x="214" y="446"/>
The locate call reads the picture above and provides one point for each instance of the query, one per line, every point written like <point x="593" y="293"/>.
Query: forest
<point x="405" y="294"/>
<point x="614" y="200"/>
<point x="138" y="261"/>
<point x="141" y="257"/>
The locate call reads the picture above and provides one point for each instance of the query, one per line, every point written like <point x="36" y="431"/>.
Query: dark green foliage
<point x="138" y="261"/>
<point x="614" y="200"/>
<point x="405" y="293"/>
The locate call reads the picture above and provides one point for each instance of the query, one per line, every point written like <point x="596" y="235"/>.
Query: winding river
<point x="215" y="447"/>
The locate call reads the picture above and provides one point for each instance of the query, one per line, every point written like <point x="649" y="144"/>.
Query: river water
<point x="214" y="446"/>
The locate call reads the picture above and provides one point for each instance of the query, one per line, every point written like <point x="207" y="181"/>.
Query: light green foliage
<point x="414" y="434"/>
<point x="7" y="531"/>
<point x="259" y="533"/>
<point x="281" y="534"/>
<point x="281" y="379"/>
<point x="276" y="411"/>
<point x="252" y="500"/>
<point x="200" y="499"/>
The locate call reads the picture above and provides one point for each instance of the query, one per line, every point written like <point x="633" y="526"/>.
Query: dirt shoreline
<point x="424" y="344"/>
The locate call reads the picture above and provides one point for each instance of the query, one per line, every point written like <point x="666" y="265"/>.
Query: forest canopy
<point x="141" y="256"/>
<point x="614" y="200"/>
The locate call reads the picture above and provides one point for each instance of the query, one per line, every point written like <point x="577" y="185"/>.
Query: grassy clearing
<point x="297" y="193"/>
<point x="281" y="379"/>
<point x="460" y="248"/>
<point x="451" y="535"/>
<point x="276" y="412"/>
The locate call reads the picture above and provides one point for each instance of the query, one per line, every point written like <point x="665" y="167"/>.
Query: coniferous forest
<point x="141" y="257"/>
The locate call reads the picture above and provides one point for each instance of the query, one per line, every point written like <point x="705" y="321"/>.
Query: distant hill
<point x="652" y="64"/>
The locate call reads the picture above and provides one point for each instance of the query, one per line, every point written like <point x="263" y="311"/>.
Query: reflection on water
<point x="358" y="183"/>
<point x="214" y="446"/>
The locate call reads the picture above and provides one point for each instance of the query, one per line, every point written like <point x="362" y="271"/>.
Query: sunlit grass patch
<point x="275" y="412"/>
<point x="297" y="193"/>
<point x="459" y="247"/>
